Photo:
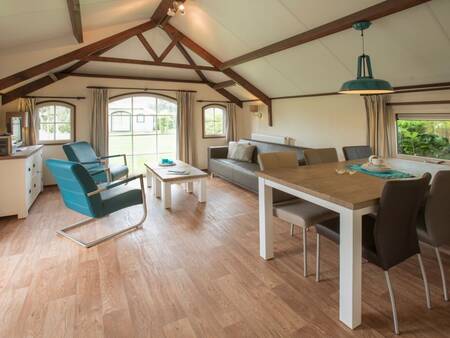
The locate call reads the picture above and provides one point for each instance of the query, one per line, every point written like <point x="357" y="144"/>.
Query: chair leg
<point x="305" y="257"/>
<point x="292" y="230"/>
<point x="394" y="307"/>
<point x="317" y="258"/>
<point x="425" y="281"/>
<point x="441" y="267"/>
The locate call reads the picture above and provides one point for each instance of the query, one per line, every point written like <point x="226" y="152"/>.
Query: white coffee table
<point x="161" y="179"/>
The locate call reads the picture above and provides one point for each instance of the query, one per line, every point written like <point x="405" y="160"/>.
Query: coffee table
<point x="161" y="179"/>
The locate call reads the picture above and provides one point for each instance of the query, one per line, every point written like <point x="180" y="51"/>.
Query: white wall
<point x="331" y="121"/>
<point x="76" y="86"/>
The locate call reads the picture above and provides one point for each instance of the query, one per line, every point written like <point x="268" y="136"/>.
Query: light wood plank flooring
<point x="194" y="271"/>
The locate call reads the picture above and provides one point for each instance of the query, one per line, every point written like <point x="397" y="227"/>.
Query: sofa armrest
<point x="217" y="152"/>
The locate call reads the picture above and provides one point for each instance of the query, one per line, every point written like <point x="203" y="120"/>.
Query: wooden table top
<point x="164" y="175"/>
<point x="351" y="191"/>
<point x="321" y="180"/>
<point x="23" y="152"/>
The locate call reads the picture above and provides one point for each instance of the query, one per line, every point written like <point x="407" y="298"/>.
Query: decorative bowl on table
<point x="165" y="162"/>
<point x="380" y="168"/>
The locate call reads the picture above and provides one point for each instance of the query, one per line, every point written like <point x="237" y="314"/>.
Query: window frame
<point x="214" y="105"/>
<point x="418" y="116"/>
<point x="72" y="122"/>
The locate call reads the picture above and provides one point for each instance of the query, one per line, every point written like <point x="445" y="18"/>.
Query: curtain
<point x="381" y="125"/>
<point x="231" y="123"/>
<point x="99" y="120"/>
<point x="185" y="124"/>
<point x="27" y="105"/>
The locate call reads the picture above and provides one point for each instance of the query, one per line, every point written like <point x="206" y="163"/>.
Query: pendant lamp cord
<point x="364" y="53"/>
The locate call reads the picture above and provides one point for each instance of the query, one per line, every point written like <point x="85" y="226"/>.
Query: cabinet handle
<point x="34" y="165"/>
<point x="29" y="169"/>
<point x="34" y="185"/>
<point x="29" y="191"/>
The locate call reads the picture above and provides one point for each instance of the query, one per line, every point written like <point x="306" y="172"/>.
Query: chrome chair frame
<point x="63" y="231"/>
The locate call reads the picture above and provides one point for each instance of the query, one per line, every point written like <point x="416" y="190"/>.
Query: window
<point x="424" y="135"/>
<point x="55" y="122"/>
<point x="214" y="121"/>
<point x="143" y="126"/>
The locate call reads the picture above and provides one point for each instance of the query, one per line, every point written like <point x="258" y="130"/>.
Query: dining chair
<point x="324" y="155"/>
<point x="80" y="193"/>
<point x="390" y="237"/>
<point x="433" y="224"/>
<point x="83" y="153"/>
<point x="357" y="152"/>
<point x="296" y="212"/>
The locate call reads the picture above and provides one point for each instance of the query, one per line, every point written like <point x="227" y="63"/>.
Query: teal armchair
<point x="81" y="194"/>
<point x="83" y="153"/>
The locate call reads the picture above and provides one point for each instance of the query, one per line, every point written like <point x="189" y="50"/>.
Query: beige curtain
<point x="231" y="123"/>
<point x="99" y="120"/>
<point x="381" y="125"/>
<point x="185" y="126"/>
<point x="27" y="105"/>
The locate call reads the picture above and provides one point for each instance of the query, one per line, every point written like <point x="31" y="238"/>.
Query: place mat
<point x="388" y="175"/>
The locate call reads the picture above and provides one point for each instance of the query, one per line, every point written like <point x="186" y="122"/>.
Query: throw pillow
<point x="241" y="151"/>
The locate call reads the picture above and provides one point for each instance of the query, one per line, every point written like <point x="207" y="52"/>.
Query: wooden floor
<point x="192" y="271"/>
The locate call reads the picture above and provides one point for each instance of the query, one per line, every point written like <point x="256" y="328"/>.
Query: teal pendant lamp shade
<point x="365" y="84"/>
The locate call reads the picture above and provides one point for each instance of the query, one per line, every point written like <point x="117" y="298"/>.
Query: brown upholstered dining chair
<point x="356" y="152"/>
<point x="296" y="212"/>
<point x="324" y="155"/>
<point x="433" y="225"/>
<point x="390" y="237"/>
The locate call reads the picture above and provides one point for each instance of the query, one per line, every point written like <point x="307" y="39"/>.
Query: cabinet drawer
<point x="34" y="189"/>
<point x="33" y="164"/>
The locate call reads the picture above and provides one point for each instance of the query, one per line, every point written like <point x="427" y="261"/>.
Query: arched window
<point x="55" y="122"/>
<point x="143" y="126"/>
<point x="213" y="121"/>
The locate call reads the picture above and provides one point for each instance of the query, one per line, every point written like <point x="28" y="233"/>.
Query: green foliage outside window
<point x="427" y="138"/>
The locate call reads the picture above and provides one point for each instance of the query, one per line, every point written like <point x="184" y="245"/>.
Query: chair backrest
<point x="284" y="159"/>
<point x="437" y="209"/>
<point x="74" y="182"/>
<point x="395" y="228"/>
<point x="317" y="156"/>
<point x="79" y="152"/>
<point x="357" y="152"/>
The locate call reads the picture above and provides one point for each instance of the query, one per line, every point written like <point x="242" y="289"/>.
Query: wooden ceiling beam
<point x="92" y="48"/>
<point x="168" y="49"/>
<point x="204" y="54"/>
<point x="374" y="12"/>
<point x="203" y="77"/>
<point x="147" y="46"/>
<point x="191" y="61"/>
<point x="75" y="19"/>
<point x="140" y="78"/>
<point x="44" y="81"/>
<point x="224" y="84"/>
<point x="147" y="63"/>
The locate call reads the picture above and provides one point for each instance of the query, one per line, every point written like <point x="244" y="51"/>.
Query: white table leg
<point x="190" y="187"/>
<point x="149" y="178"/>
<point x="167" y="194"/>
<point x="156" y="186"/>
<point x="350" y="267"/>
<point x="202" y="190"/>
<point x="265" y="220"/>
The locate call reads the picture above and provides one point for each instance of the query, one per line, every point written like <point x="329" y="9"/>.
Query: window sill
<point x="214" y="136"/>
<point x="423" y="159"/>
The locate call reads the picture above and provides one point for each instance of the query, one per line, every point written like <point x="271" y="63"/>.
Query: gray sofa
<point x="243" y="173"/>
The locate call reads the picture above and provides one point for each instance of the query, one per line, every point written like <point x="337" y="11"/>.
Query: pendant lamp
<point x="365" y="84"/>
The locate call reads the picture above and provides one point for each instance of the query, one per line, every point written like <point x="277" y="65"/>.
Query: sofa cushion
<point x="241" y="151"/>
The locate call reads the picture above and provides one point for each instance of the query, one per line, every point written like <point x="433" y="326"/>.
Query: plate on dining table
<point x="383" y="168"/>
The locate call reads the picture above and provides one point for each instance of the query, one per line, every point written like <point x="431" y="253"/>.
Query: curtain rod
<point x="220" y="101"/>
<point x="145" y="89"/>
<point x="54" y="97"/>
<point x="417" y="103"/>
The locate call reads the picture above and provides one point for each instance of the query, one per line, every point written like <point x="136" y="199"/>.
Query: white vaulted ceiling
<point x="409" y="47"/>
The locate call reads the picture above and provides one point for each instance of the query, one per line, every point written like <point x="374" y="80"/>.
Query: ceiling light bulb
<point x="171" y="12"/>
<point x="181" y="7"/>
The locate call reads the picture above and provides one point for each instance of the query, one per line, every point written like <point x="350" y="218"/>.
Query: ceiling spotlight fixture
<point x="177" y="7"/>
<point x="365" y="84"/>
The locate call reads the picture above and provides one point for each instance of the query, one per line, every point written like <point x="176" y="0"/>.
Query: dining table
<point x="351" y="195"/>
